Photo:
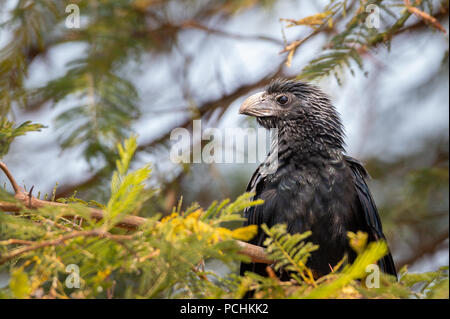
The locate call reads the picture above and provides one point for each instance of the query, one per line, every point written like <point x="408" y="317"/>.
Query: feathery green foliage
<point x="357" y="35"/>
<point x="290" y="251"/>
<point x="352" y="281"/>
<point x="47" y="253"/>
<point x="160" y="259"/>
<point x="9" y="131"/>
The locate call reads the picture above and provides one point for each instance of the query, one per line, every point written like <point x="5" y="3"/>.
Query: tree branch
<point x="195" y="25"/>
<point x="11" y="179"/>
<point x="59" y="241"/>
<point x="26" y="200"/>
<point x="426" y="249"/>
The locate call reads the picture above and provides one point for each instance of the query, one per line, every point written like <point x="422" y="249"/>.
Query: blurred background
<point x="149" y="66"/>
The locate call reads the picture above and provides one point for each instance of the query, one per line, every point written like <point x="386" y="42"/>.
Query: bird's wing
<point x="252" y="217"/>
<point x="255" y="215"/>
<point x="369" y="210"/>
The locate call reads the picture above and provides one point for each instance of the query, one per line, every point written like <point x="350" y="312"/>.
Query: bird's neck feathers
<point x="314" y="139"/>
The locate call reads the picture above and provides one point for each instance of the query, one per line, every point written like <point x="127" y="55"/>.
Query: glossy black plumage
<point x="314" y="186"/>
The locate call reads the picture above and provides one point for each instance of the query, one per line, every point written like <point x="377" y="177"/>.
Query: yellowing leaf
<point x="330" y="23"/>
<point x="167" y="218"/>
<point x="196" y="214"/>
<point x="245" y="233"/>
<point x="312" y="21"/>
<point x="19" y="284"/>
<point x="358" y="241"/>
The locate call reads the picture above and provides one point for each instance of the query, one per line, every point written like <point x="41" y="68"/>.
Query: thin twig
<point x="14" y="241"/>
<point x="59" y="241"/>
<point x="424" y="16"/>
<point x="199" y="26"/>
<point x="426" y="249"/>
<point x="11" y="179"/>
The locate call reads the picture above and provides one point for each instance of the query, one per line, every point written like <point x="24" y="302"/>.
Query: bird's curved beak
<point x="257" y="105"/>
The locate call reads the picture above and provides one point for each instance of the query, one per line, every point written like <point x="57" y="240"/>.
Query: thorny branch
<point x="26" y="200"/>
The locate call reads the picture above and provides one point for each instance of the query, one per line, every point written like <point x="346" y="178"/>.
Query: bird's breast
<point x="317" y="201"/>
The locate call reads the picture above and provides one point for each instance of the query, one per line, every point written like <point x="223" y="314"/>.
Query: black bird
<point x="313" y="185"/>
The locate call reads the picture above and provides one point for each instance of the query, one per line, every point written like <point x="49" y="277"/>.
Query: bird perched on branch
<point x="314" y="186"/>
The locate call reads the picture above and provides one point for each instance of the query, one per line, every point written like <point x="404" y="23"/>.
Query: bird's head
<point x="300" y="109"/>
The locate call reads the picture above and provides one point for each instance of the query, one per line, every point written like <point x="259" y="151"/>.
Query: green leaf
<point x="8" y="132"/>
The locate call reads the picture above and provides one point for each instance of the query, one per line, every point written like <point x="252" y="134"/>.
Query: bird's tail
<point x="257" y="268"/>
<point x="387" y="265"/>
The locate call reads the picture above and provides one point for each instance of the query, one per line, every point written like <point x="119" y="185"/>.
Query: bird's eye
<point x="283" y="99"/>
